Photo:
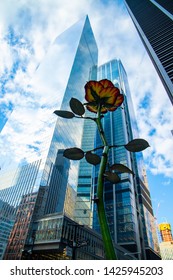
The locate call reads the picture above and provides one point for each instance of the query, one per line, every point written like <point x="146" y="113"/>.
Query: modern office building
<point x="32" y="205"/>
<point x="58" y="237"/>
<point x="128" y="203"/>
<point x="66" y="68"/>
<point x="14" y="186"/>
<point x="153" y="20"/>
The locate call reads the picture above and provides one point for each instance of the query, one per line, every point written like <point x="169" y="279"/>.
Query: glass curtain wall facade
<point x="83" y="207"/>
<point x="125" y="202"/>
<point x="58" y="184"/>
<point x="12" y="191"/>
<point x="75" y="52"/>
<point x="153" y="20"/>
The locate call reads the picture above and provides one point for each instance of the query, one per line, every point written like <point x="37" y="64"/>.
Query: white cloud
<point x="167" y="182"/>
<point x="6" y="58"/>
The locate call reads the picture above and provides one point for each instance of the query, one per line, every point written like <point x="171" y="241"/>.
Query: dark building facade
<point x="153" y="20"/>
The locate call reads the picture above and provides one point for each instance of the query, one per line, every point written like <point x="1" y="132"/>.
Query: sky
<point x="27" y="30"/>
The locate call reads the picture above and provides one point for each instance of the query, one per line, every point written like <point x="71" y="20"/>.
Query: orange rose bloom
<point x="103" y="94"/>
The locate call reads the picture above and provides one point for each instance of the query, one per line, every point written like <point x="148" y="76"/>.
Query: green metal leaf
<point x="73" y="153"/>
<point x="77" y="107"/>
<point x="92" y="158"/>
<point x="64" y="114"/>
<point x="112" y="177"/>
<point x="121" y="168"/>
<point x="137" y="145"/>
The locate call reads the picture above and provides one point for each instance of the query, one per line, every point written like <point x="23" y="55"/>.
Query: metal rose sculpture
<point x="102" y="97"/>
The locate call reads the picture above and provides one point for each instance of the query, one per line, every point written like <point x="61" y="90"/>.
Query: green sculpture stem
<point x="107" y="240"/>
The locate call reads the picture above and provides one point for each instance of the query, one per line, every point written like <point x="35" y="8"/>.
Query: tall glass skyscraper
<point x="128" y="203"/>
<point x="64" y="71"/>
<point x="153" y="20"/>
